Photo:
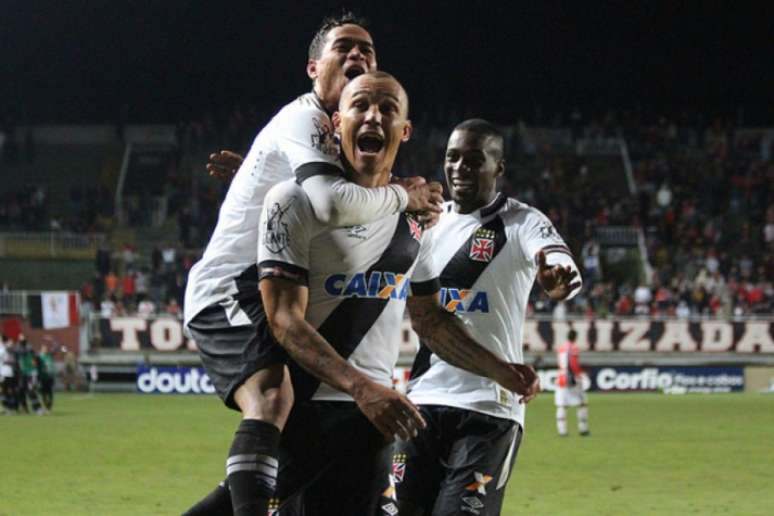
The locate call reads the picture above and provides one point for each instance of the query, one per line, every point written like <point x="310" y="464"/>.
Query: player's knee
<point x="267" y="395"/>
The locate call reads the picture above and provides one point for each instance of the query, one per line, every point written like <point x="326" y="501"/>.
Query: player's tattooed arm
<point x="446" y="336"/>
<point x="285" y="304"/>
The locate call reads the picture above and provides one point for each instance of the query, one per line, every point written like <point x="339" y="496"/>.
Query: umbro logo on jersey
<point x="380" y="285"/>
<point x="357" y="232"/>
<point x="390" y="509"/>
<point x="462" y="300"/>
<point x="472" y="504"/>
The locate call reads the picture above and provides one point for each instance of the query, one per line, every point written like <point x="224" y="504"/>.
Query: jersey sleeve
<point x="536" y="234"/>
<point x="341" y="203"/>
<point x="287" y="227"/>
<point x="304" y="135"/>
<point x="424" y="280"/>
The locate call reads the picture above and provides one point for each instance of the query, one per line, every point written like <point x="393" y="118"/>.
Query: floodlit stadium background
<point x="644" y="132"/>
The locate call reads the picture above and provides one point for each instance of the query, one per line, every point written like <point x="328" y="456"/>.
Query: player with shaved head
<point x="334" y="299"/>
<point x="223" y="308"/>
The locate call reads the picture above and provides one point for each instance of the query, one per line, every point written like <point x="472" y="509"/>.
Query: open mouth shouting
<point x="353" y="71"/>
<point x="370" y="143"/>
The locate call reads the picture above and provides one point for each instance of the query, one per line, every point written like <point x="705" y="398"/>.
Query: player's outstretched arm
<point x="446" y="336"/>
<point x="339" y="202"/>
<point x="285" y="304"/>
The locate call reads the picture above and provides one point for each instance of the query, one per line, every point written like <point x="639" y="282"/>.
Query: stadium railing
<point x="50" y="245"/>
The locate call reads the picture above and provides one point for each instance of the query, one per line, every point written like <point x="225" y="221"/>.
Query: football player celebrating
<point x="490" y="249"/>
<point x="223" y="309"/>
<point x="334" y="299"/>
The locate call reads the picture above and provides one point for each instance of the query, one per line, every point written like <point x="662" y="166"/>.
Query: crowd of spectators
<point x="704" y="204"/>
<point x="127" y="283"/>
<point x="25" y="209"/>
<point x="700" y="192"/>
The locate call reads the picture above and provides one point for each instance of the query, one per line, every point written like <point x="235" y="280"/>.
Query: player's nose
<point x="373" y="115"/>
<point x="356" y="55"/>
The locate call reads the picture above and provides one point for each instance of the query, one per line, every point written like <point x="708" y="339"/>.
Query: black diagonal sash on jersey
<point x="462" y="272"/>
<point x="349" y="322"/>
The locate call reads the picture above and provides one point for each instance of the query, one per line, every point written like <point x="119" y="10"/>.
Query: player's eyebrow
<point x="353" y="41"/>
<point x="368" y="92"/>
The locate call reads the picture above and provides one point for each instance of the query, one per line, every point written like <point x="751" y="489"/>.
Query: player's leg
<point x="560" y="396"/>
<point x="21" y="393"/>
<point x="340" y="460"/>
<point x="32" y="394"/>
<point x="9" y="386"/>
<point x="482" y="454"/>
<point x="265" y="400"/>
<point x="247" y="369"/>
<point x="416" y="468"/>
<point x="47" y="392"/>
<point x="583" y="414"/>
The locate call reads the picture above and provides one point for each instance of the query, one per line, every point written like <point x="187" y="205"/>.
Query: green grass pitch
<point x="648" y="454"/>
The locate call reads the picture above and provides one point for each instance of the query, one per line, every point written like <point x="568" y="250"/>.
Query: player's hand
<point x="390" y="412"/>
<point x="224" y="164"/>
<point x="429" y="219"/>
<point x="533" y="390"/>
<point x="423" y="196"/>
<point x="556" y="280"/>
<point x="518" y="378"/>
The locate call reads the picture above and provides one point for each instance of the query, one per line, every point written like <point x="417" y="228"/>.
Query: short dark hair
<point x="328" y="24"/>
<point x="572" y="335"/>
<point x="483" y="129"/>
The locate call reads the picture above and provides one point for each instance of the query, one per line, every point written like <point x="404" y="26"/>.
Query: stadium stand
<point x="669" y="216"/>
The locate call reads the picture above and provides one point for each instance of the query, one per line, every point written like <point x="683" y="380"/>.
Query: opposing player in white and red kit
<point x="490" y="249"/>
<point x="569" y="386"/>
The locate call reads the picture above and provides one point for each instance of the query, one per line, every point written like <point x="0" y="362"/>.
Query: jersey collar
<point x="319" y="103"/>
<point x="494" y="206"/>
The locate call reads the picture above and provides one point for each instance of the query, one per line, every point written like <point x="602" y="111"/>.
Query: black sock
<point x="217" y="503"/>
<point x="252" y="467"/>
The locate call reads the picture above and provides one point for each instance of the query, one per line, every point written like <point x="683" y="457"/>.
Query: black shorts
<point x="231" y="354"/>
<point x="458" y="465"/>
<point x="332" y="462"/>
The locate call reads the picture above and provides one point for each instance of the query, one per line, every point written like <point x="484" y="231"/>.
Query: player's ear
<point x="336" y="119"/>
<point x="407" y="129"/>
<point x="311" y="69"/>
<point x="500" y="168"/>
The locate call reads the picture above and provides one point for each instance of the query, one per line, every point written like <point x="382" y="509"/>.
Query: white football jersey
<point x="488" y="263"/>
<point x="358" y="279"/>
<point x="298" y="143"/>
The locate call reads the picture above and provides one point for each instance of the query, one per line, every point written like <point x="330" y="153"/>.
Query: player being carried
<point x="490" y="249"/>
<point x="334" y="299"/>
<point x="223" y="309"/>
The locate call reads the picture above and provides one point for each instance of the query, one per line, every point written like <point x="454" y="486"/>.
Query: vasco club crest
<point x="482" y="246"/>
<point x="414" y="227"/>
